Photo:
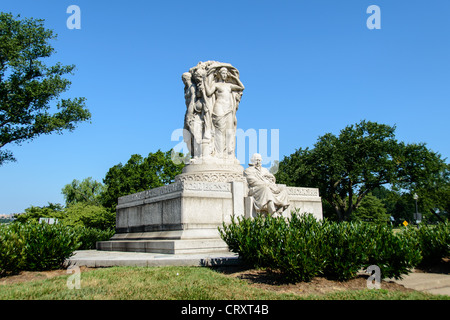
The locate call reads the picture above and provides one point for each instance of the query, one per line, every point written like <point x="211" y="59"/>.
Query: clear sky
<point x="309" y="67"/>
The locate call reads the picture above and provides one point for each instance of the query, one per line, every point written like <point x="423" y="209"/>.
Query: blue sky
<point x="309" y="67"/>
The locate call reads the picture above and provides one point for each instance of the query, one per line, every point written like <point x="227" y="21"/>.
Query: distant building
<point x="5" y="218"/>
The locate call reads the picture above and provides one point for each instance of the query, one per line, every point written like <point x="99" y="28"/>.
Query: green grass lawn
<point x="171" y="283"/>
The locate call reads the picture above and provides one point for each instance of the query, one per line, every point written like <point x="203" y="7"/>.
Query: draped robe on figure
<point x="263" y="189"/>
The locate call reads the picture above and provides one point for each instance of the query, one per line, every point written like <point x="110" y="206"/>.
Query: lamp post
<point x="416" y="215"/>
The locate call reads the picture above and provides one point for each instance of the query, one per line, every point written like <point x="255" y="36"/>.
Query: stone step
<point x="98" y="259"/>
<point x="165" y="246"/>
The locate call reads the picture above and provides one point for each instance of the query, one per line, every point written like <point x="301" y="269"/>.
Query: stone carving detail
<point x="202" y="186"/>
<point x="192" y="185"/>
<point x="211" y="177"/>
<point x="212" y="92"/>
<point x="307" y="192"/>
<point x="174" y="187"/>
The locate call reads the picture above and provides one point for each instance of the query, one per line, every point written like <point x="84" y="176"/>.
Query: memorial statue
<point x="185" y="216"/>
<point x="224" y="111"/>
<point x="268" y="196"/>
<point x="212" y="99"/>
<point x="193" y="119"/>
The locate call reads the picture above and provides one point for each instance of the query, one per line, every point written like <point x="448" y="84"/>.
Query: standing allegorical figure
<point x="193" y="119"/>
<point x="224" y="111"/>
<point x="215" y="93"/>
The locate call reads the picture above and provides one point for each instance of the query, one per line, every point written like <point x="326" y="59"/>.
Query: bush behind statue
<point x="302" y="247"/>
<point x="89" y="236"/>
<point x="37" y="246"/>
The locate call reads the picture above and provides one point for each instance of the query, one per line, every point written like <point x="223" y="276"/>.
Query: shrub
<point x="434" y="241"/>
<point x="395" y="254"/>
<point x="298" y="253"/>
<point x="89" y="236"/>
<point x="302" y="247"/>
<point x="245" y="236"/>
<point x="37" y="246"/>
<point x="344" y="248"/>
<point x="47" y="246"/>
<point x="12" y="247"/>
<point x="290" y="246"/>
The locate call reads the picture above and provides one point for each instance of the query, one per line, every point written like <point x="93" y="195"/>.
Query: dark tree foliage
<point x="28" y="87"/>
<point x="362" y="158"/>
<point x="139" y="174"/>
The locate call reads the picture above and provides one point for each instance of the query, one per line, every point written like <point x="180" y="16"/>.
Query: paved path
<point x="436" y="283"/>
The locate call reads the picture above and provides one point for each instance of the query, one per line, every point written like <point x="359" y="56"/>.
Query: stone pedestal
<point x="184" y="217"/>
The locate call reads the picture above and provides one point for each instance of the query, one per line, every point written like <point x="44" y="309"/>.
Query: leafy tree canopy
<point x="139" y="174"/>
<point x="78" y="214"/>
<point x="87" y="191"/>
<point x="363" y="157"/>
<point x="28" y="86"/>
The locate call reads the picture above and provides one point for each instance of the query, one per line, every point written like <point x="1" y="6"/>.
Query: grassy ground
<point x="177" y="283"/>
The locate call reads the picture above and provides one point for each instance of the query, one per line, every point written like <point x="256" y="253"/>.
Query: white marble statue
<point x="193" y="119"/>
<point x="212" y="93"/>
<point x="268" y="196"/>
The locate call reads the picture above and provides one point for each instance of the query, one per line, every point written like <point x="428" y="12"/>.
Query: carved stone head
<point x="186" y="77"/>
<point x="223" y="73"/>
<point x="256" y="159"/>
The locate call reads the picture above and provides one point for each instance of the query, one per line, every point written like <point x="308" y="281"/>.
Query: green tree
<point x="431" y="185"/>
<point x="371" y="209"/>
<point x="364" y="156"/>
<point x="88" y="191"/>
<point x="29" y="88"/>
<point x="139" y="174"/>
<point x="77" y="214"/>
<point x="429" y="179"/>
<point x="84" y="207"/>
<point x="90" y="216"/>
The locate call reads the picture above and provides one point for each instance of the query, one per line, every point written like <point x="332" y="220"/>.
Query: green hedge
<point x="89" y="236"/>
<point x="12" y="249"/>
<point x="395" y="253"/>
<point x="343" y="248"/>
<point x="433" y="241"/>
<point x="302" y="247"/>
<point x="37" y="246"/>
<point x="47" y="246"/>
<point x="293" y="246"/>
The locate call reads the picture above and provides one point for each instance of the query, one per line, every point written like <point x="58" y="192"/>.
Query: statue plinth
<point x="212" y="170"/>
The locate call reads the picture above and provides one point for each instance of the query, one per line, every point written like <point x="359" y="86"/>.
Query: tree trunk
<point x="335" y="203"/>
<point x="349" y="210"/>
<point x="339" y="212"/>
